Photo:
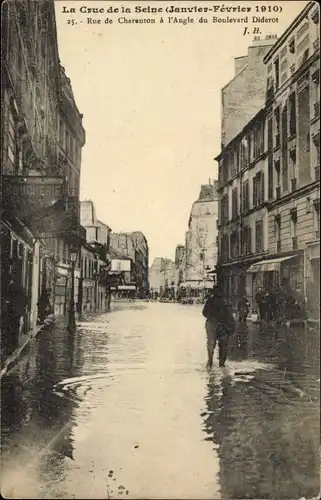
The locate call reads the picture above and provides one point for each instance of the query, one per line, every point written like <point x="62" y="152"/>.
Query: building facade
<point x="92" y="295"/>
<point x="243" y="216"/>
<point x="134" y="245"/>
<point x="96" y="261"/>
<point x="242" y="188"/>
<point x="38" y="216"/>
<point x="269" y="175"/>
<point x="162" y="277"/>
<point x="201" y="237"/>
<point x="293" y="125"/>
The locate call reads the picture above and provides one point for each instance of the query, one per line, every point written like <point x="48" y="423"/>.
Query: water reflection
<point x="266" y="437"/>
<point x="35" y="421"/>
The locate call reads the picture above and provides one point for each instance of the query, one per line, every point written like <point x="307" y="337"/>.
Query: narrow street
<point x="126" y="409"/>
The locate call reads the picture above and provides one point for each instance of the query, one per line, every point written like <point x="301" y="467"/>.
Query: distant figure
<point x="261" y="300"/>
<point x="219" y="325"/>
<point x="243" y="308"/>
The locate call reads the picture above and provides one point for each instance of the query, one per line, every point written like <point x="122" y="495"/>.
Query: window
<point x="258" y="189"/>
<point x="293" y="226"/>
<point x="277" y="228"/>
<point x="316" y="217"/>
<point x="292" y="105"/>
<point x="224" y="247"/>
<point x="234" y="245"/>
<point x="61" y="133"/>
<point x="278" y="172"/>
<point x="224" y="209"/>
<point x="67" y="144"/>
<point x="277" y="72"/>
<point x="277" y="127"/>
<point x="285" y="174"/>
<point x="234" y="203"/>
<point x="259" y="243"/>
<point x="245" y="196"/>
<point x="246" y="240"/>
<point x="292" y="46"/>
<point x="258" y="140"/>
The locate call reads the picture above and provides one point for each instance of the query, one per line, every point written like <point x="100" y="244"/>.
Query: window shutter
<point x="262" y="187"/>
<point x="254" y="191"/>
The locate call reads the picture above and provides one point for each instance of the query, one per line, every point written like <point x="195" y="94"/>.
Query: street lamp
<point x="71" y="317"/>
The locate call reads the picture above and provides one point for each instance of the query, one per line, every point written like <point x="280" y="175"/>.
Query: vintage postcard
<point x="160" y="249"/>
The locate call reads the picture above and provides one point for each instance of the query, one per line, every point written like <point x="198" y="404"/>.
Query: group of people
<point x="279" y="304"/>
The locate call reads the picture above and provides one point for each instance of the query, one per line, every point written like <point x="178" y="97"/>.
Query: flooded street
<point x="126" y="409"/>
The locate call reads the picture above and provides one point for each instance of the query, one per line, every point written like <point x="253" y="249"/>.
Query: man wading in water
<point x="219" y="325"/>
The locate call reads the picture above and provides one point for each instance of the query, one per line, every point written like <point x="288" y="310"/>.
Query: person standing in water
<point x="219" y="325"/>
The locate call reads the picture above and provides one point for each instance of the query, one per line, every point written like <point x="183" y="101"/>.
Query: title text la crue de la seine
<point x="259" y="12"/>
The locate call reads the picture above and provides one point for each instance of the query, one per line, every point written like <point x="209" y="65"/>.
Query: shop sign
<point x="26" y="194"/>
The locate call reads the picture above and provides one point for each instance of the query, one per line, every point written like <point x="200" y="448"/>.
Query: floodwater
<point x="125" y="408"/>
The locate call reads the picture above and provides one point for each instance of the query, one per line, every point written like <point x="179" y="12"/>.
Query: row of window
<point x="239" y="242"/>
<point x="244" y="153"/>
<point x="241" y="204"/>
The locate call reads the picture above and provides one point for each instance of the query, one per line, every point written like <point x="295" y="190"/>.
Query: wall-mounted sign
<point x="120" y="265"/>
<point x="41" y="188"/>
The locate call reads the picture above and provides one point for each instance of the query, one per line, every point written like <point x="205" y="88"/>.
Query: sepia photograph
<point x="160" y="249"/>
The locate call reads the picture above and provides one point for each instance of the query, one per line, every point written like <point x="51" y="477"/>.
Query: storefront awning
<point x="268" y="265"/>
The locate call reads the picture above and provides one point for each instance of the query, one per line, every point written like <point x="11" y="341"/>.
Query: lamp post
<point x="71" y="316"/>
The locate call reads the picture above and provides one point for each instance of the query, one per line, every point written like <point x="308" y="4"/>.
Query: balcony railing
<point x="294" y="243"/>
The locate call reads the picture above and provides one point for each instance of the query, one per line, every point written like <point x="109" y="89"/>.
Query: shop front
<point x="286" y="271"/>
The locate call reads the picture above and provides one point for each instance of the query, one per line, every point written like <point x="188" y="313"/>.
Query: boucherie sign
<point x="26" y="194"/>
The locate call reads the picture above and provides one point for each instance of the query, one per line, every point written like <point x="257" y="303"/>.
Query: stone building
<point x="94" y="287"/>
<point x="293" y="128"/>
<point x="134" y="245"/>
<point x="38" y="215"/>
<point x="243" y="217"/>
<point x="244" y="95"/>
<point x="201" y="237"/>
<point x="269" y="181"/>
<point x="162" y="276"/>
<point x="242" y="188"/>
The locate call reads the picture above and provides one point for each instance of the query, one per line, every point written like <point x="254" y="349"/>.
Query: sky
<point x="150" y="96"/>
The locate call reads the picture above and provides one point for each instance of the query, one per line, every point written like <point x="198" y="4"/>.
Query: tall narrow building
<point x="201" y="237"/>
